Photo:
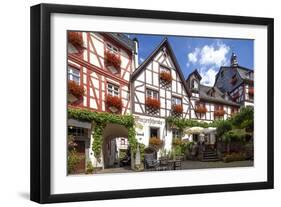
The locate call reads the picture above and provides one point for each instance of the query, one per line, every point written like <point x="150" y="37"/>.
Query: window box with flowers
<point x="152" y="103"/>
<point x="177" y="109"/>
<point x="200" y="109"/>
<point x="219" y="112"/>
<point x="113" y="103"/>
<point x="155" y="142"/>
<point x="251" y="91"/>
<point x="76" y="39"/>
<point x="112" y="59"/>
<point x="166" y="76"/>
<point x="75" y="91"/>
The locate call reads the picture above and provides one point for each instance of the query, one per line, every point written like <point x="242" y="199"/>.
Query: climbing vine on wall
<point x="101" y="119"/>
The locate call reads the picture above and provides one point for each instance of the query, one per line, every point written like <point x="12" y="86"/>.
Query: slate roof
<point x="124" y="40"/>
<point x="218" y="96"/>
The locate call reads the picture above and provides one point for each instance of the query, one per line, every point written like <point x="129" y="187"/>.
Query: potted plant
<point x="112" y="59"/>
<point x="166" y="76"/>
<point x="75" y="39"/>
<point x="114" y="103"/>
<point x="75" y="91"/>
<point x="152" y="103"/>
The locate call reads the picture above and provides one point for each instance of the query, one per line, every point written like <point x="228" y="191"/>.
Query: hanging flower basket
<point x="200" y="109"/>
<point x="251" y="91"/>
<point x="177" y="108"/>
<point x="219" y="112"/>
<point x="114" y="103"/>
<point x="166" y="76"/>
<point x="152" y="103"/>
<point x="112" y="59"/>
<point x="75" y="91"/>
<point x="155" y="142"/>
<point x="75" y="39"/>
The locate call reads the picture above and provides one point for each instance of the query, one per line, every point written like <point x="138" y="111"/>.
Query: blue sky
<point x="204" y="54"/>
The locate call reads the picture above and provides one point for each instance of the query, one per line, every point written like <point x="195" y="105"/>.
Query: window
<point x="122" y="141"/>
<point x="177" y="133"/>
<point x="154" y="132"/>
<point x="112" y="89"/>
<point x="152" y="94"/>
<point x="222" y="73"/>
<point x="73" y="74"/>
<point x="111" y="48"/>
<point x="195" y="84"/>
<point x="176" y="101"/>
<point x="76" y="131"/>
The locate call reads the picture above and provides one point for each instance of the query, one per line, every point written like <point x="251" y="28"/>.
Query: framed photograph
<point x="133" y="103"/>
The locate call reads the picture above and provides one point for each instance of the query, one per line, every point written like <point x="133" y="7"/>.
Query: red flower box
<point x="251" y="91"/>
<point x="76" y="89"/>
<point x="76" y="39"/>
<point x="152" y="103"/>
<point x="219" y="112"/>
<point x="112" y="59"/>
<point x="200" y="109"/>
<point x="114" y="101"/>
<point x="177" y="108"/>
<point x="166" y="76"/>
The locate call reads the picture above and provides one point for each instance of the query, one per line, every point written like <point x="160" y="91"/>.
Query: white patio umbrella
<point x="209" y="130"/>
<point x="194" y="130"/>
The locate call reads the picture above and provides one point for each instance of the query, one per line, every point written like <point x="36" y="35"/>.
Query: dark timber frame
<point x="40" y="184"/>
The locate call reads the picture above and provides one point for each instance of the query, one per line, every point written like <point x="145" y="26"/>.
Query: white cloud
<point x="208" y="59"/>
<point x="214" y="54"/>
<point x="208" y="76"/>
<point x="141" y="59"/>
<point x="193" y="56"/>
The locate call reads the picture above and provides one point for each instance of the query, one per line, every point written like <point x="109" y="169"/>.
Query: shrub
<point x="112" y="59"/>
<point x="114" y="101"/>
<point x="177" y="141"/>
<point x="166" y="76"/>
<point x="76" y="39"/>
<point x="72" y="160"/>
<point x="89" y="168"/>
<point x="234" y="157"/>
<point x="75" y="89"/>
<point x="177" y="108"/>
<point x="152" y="103"/>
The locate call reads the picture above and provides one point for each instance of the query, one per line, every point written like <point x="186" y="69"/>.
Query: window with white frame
<point x="73" y="74"/>
<point x="176" y="100"/>
<point x="152" y="94"/>
<point x="112" y="89"/>
<point x="111" y="48"/>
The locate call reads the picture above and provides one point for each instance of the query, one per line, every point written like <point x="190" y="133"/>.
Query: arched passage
<point x="115" y="141"/>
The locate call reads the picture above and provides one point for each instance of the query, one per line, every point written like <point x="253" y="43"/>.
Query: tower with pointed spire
<point x="233" y="60"/>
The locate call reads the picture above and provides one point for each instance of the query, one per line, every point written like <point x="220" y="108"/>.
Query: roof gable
<point x="164" y="44"/>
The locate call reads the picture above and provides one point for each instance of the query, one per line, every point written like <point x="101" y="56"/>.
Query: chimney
<point x="233" y="60"/>
<point x="136" y="53"/>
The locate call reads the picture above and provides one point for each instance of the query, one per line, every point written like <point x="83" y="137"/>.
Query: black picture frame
<point x="40" y="102"/>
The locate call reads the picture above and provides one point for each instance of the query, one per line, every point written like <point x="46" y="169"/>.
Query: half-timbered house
<point x="158" y="91"/>
<point x="101" y="65"/>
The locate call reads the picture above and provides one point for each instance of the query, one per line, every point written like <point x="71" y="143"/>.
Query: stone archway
<point x="112" y="137"/>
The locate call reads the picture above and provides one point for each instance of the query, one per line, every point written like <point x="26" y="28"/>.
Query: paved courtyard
<point x="188" y="164"/>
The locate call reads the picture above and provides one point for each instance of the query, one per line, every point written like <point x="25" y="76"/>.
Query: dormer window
<point x="222" y="73"/>
<point x="195" y="84"/>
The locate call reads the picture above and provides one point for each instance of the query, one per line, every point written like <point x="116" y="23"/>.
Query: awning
<point x="76" y="123"/>
<point x="209" y="130"/>
<point x="194" y="130"/>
